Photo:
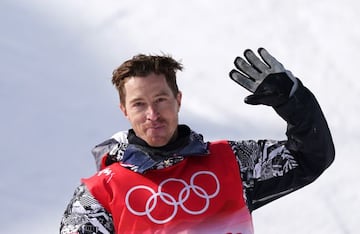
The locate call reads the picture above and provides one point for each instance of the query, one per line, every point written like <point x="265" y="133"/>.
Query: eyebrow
<point x="135" y="100"/>
<point x="161" y="93"/>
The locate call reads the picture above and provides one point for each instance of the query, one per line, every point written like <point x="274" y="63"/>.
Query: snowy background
<point x="57" y="101"/>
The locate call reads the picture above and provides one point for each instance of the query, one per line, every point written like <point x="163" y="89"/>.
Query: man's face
<point x="151" y="108"/>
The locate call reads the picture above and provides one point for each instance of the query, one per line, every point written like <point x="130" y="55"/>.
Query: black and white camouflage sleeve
<point x="84" y="215"/>
<point x="261" y="162"/>
<point x="271" y="169"/>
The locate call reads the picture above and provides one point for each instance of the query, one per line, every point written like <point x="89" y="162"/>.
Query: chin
<point x="157" y="142"/>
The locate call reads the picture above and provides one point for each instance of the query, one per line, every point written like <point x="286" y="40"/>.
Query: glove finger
<point x="246" y="68"/>
<point x="275" y="65"/>
<point x="242" y="80"/>
<point x="255" y="61"/>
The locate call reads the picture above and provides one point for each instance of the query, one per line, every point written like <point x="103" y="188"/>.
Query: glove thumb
<point x="269" y="99"/>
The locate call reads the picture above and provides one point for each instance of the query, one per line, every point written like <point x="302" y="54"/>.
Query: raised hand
<point x="268" y="80"/>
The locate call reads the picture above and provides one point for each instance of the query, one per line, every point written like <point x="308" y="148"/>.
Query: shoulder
<point x="120" y="136"/>
<point x="110" y="149"/>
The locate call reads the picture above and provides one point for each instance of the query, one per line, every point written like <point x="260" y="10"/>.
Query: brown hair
<point x="143" y="65"/>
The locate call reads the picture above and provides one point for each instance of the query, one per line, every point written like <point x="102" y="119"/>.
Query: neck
<point x="179" y="139"/>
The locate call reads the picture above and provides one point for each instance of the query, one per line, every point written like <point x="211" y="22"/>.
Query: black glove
<point x="267" y="79"/>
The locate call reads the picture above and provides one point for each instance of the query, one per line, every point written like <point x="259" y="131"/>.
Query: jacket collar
<point x="143" y="157"/>
<point x="132" y="152"/>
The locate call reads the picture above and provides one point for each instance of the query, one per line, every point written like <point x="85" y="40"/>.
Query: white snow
<point x="57" y="101"/>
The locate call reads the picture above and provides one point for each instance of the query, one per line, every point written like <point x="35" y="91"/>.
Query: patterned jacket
<point x="269" y="169"/>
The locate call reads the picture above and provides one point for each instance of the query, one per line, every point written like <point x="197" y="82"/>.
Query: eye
<point x="138" y="104"/>
<point x="160" y="99"/>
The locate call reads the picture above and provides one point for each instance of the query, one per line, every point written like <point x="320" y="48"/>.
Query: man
<point x="162" y="177"/>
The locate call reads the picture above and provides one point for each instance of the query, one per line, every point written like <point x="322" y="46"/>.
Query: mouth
<point x="155" y="127"/>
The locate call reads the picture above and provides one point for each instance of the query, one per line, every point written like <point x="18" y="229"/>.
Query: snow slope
<point x="56" y="59"/>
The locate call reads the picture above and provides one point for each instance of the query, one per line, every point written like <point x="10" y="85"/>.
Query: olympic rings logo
<point x="168" y="199"/>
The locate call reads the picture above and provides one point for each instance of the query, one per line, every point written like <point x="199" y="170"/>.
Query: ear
<point x="123" y="109"/>
<point x="178" y="99"/>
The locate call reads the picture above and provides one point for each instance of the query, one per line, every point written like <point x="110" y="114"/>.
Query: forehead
<point x="147" y="86"/>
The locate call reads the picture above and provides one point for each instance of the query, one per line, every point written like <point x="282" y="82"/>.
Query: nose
<point x="152" y="113"/>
